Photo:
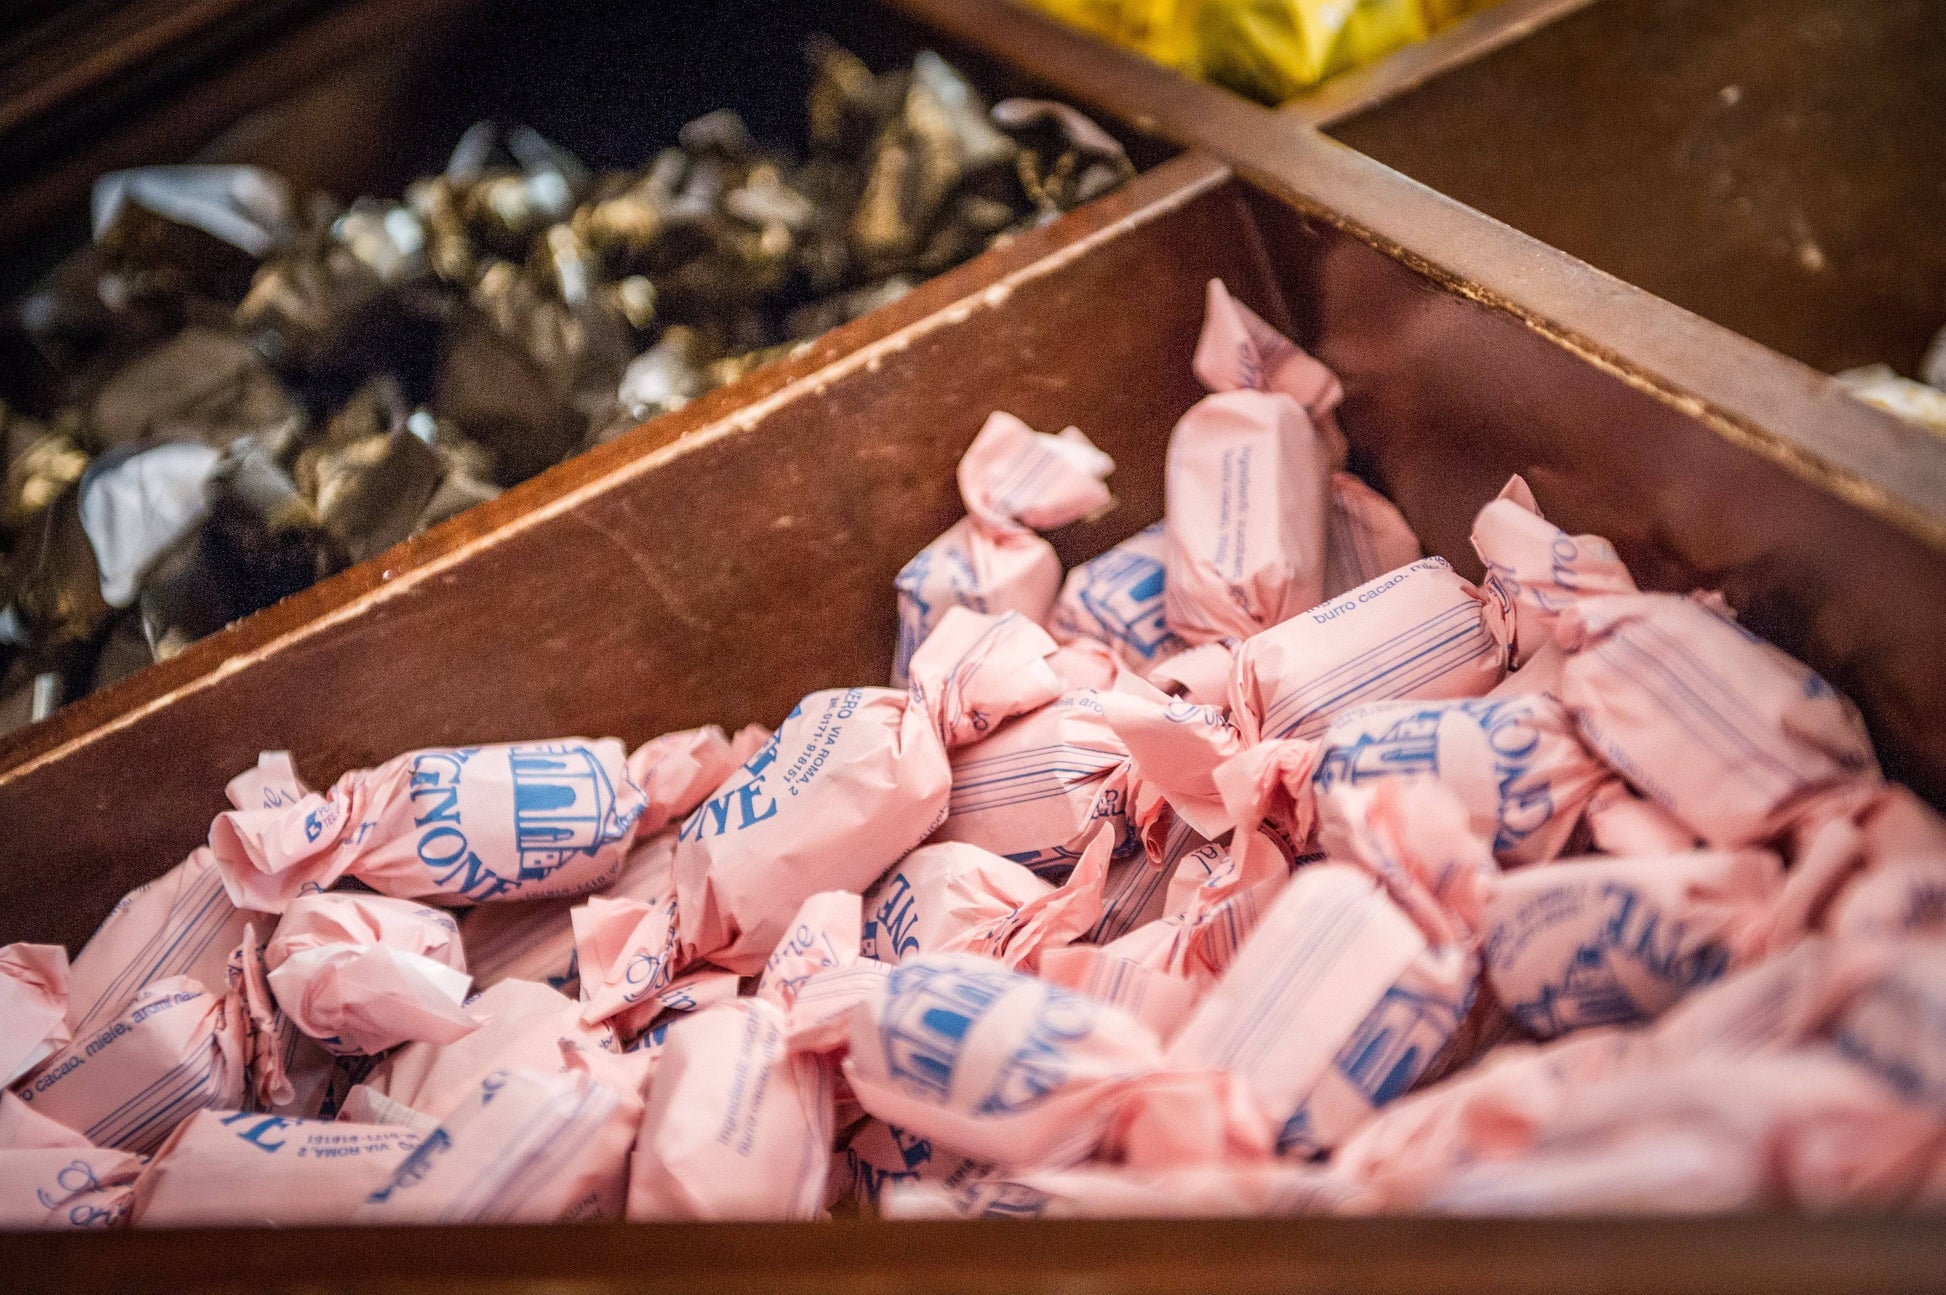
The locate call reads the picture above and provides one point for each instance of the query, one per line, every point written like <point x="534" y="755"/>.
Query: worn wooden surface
<point x="1479" y="33"/>
<point x="713" y="566"/>
<point x="1737" y="1256"/>
<point x="1773" y="165"/>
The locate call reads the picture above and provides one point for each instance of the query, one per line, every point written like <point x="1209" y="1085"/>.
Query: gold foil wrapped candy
<point x="301" y="383"/>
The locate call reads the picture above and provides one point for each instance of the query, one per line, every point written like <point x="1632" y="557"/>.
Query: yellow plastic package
<point x="1156" y="28"/>
<point x="1266" y="49"/>
<point x="1272" y="49"/>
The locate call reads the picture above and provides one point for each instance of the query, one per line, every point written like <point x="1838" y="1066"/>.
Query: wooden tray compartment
<point x="745" y="556"/>
<point x="611" y="80"/>
<point x="1772" y="165"/>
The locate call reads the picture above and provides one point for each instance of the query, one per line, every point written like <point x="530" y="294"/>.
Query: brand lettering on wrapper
<point x="889" y="934"/>
<point x="1385" y="1056"/>
<point x="1039" y="1065"/>
<point x="1590" y="991"/>
<point x="1411" y="746"/>
<point x="744" y="803"/>
<point x="257" y="1130"/>
<point x="564" y="805"/>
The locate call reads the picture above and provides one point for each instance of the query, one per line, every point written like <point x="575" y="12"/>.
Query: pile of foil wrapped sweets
<point x="1258" y="865"/>
<point x="237" y="390"/>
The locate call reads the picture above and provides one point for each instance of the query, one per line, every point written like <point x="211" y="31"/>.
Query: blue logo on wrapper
<point x="1123" y="592"/>
<point x="564" y="807"/>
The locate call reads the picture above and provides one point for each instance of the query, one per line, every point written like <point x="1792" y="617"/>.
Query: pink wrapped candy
<point x="531" y="820"/>
<point x="954" y="898"/>
<point x="1248" y="481"/>
<point x="996" y="1065"/>
<point x="231" y="1168"/>
<point x="1734" y="738"/>
<point x="524" y="1146"/>
<point x="1419" y="632"/>
<point x="738" y="1125"/>
<point x="33" y="1007"/>
<point x="175" y="1050"/>
<point x="1607" y="940"/>
<point x="1335" y="1005"/>
<point x="1539" y="569"/>
<point x="877" y="1159"/>
<point x="363" y="973"/>
<point x="1805" y="1130"/>
<point x="1117" y="600"/>
<point x="1895" y="1025"/>
<point x="53" y="1178"/>
<point x="1514" y="761"/>
<point x="180" y="924"/>
<point x="528" y="1026"/>
<point x="1015" y="481"/>
<point x="1364" y="537"/>
<point x="853" y="779"/>
<point x="1038" y="787"/>
<point x="535" y="941"/>
<point x="628" y="953"/>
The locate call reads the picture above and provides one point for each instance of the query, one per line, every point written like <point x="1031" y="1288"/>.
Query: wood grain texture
<point x="1773" y="165"/>
<point x="1736" y="1256"/>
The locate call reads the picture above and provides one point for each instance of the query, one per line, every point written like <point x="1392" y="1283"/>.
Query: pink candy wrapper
<point x="998" y="1066"/>
<point x="1806" y="1131"/>
<point x="1035" y="791"/>
<point x="528" y="1026"/>
<point x="1335" y="1005"/>
<point x="535" y="941"/>
<point x="955" y="898"/>
<point x="1015" y="481"/>
<point x="1514" y="761"/>
<point x="525" y="1146"/>
<point x="229" y="1168"/>
<point x="531" y="820"/>
<point x="877" y="1158"/>
<point x="1607" y="940"/>
<point x="1730" y="735"/>
<point x="180" y="924"/>
<point x="1539" y="569"/>
<point x="363" y="973"/>
<point x="736" y="1127"/>
<point x="1420" y="632"/>
<point x="1248" y="481"/>
<point x="1878" y="875"/>
<point x="1152" y="996"/>
<point x="1136" y="890"/>
<point x="853" y="779"/>
<point x="1117" y="600"/>
<point x="33" y="1007"/>
<point x="628" y="954"/>
<point x="1893" y="1025"/>
<point x="53" y="1178"/>
<point x="1178" y="746"/>
<point x="177" y="1049"/>
<point x="1364" y="537"/>
<point x="827" y="934"/>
